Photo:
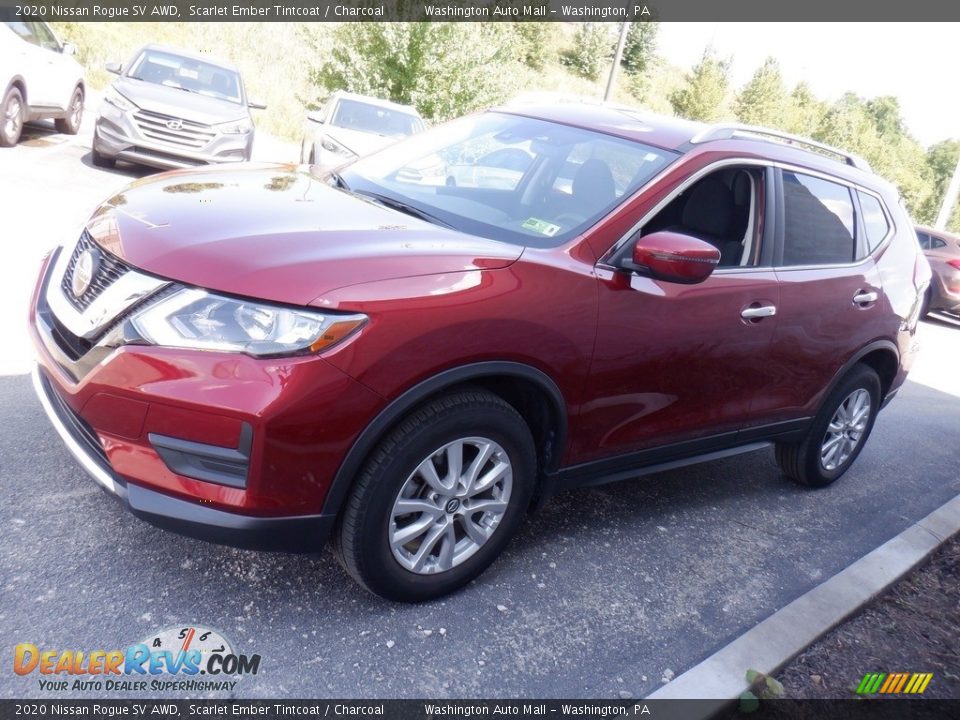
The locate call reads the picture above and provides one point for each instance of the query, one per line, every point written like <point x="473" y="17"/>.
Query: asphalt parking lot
<point x="607" y="592"/>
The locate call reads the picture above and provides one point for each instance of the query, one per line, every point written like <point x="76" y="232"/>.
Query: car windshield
<point x="170" y="70"/>
<point x="370" y="118"/>
<point x="506" y="177"/>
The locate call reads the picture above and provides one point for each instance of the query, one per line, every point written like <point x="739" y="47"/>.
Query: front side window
<point x="196" y="76"/>
<point x="45" y="36"/>
<point x="507" y="177"/>
<point x="875" y="222"/>
<point x="818" y="218"/>
<point x="924" y="240"/>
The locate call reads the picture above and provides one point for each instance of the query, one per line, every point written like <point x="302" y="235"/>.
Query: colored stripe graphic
<point x="894" y="683"/>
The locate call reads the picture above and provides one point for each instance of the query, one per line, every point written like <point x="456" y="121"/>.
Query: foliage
<point x="703" y="94"/>
<point x="763" y="100"/>
<point x="536" y="43"/>
<point x="442" y="69"/>
<point x="591" y="50"/>
<point x="638" y="52"/>
<point x="942" y="161"/>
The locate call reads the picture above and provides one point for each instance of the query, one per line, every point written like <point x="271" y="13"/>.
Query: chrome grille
<point x="109" y="269"/>
<point x="185" y="133"/>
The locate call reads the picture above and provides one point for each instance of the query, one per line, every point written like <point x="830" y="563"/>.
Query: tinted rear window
<point x="819" y="221"/>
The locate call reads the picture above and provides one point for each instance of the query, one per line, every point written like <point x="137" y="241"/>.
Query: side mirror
<point x="113" y="67"/>
<point x="68" y="49"/>
<point x="674" y="257"/>
<point x="315" y="116"/>
<point x="256" y="105"/>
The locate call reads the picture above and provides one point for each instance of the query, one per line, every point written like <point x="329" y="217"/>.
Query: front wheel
<point x="11" y="117"/>
<point x="70" y="125"/>
<point x="439" y="498"/>
<point x="838" y="432"/>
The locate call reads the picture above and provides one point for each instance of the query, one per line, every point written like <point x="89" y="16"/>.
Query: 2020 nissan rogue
<point x="271" y="356"/>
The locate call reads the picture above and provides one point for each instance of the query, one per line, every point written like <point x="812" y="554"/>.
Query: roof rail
<point x="734" y="130"/>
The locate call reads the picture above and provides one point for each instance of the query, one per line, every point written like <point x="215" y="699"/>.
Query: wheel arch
<point x="18" y="82"/>
<point x="880" y="355"/>
<point x="528" y="390"/>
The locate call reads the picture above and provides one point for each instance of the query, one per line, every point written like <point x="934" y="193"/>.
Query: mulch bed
<point x="913" y="627"/>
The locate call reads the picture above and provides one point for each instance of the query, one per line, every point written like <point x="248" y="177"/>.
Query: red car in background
<point x="267" y="356"/>
<point x="942" y="250"/>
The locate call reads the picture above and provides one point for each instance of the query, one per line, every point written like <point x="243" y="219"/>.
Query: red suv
<point x="268" y="355"/>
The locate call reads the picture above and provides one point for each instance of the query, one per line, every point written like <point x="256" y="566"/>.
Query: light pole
<point x="950" y="200"/>
<point x="616" y="60"/>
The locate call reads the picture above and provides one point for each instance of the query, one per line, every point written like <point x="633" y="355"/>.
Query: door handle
<point x="753" y="313"/>
<point x="862" y="298"/>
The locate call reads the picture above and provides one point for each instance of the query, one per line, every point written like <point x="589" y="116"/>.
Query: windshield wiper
<point x="403" y="207"/>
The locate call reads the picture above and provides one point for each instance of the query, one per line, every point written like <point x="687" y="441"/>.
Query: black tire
<point x="801" y="462"/>
<point x="102" y="161"/>
<point x="70" y="125"/>
<point x="361" y="539"/>
<point x="927" y="299"/>
<point x="10" y="128"/>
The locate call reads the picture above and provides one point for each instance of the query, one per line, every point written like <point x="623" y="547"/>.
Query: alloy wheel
<point x="845" y="430"/>
<point x="11" y="119"/>
<point x="450" y="505"/>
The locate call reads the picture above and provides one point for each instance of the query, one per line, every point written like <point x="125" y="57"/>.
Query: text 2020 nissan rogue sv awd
<point x="266" y="356"/>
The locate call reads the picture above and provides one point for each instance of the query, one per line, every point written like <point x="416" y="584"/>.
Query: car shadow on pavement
<point x="130" y="170"/>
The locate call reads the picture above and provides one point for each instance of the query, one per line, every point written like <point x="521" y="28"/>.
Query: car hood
<point x="178" y="103"/>
<point x="277" y="232"/>
<point x="362" y="143"/>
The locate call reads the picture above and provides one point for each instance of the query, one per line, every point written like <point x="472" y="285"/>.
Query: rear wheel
<point x="12" y="113"/>
<point x="70" y="125"/>
<point x="837" y="434"/>
<point x="439" y="498"/>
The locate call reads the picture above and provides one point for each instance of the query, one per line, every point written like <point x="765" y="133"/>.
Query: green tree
<point x="941" y="162"/>
<point x="536" y="43"/>
<point x="763" y="100"/>
<point x="702" y="96"/>
<point x="640" y="46"/>
<point x="804" y="111"/>
<point x="591" y="50"/>
<point x="442" y="69"/>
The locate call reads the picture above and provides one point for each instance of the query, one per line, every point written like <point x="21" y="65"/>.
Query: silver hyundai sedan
<point x="174" y="109"/>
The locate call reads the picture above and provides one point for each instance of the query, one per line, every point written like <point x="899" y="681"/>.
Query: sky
<point x="916" y="62"/>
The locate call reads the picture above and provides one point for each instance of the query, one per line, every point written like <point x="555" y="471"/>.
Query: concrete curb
<point x="775" y="641"/>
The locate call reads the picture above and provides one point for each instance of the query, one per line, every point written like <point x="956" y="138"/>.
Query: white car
<point x="351" y="126"/>
<point x="39" y="78"/>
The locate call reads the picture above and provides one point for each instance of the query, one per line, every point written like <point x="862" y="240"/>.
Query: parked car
<point x="351" y="126"/>
<point x="942" y="250"/>
<point x="40" y="79"/>
<point x="271" y="355"/>
<point x="174" y="109"/>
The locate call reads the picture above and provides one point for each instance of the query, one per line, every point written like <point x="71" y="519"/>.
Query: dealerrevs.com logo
<point x="179" y="659"/>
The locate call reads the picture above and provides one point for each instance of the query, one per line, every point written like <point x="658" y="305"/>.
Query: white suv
<point x="40" y="79"/>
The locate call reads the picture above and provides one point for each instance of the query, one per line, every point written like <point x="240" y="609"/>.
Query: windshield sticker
<point x="540" y="226"/>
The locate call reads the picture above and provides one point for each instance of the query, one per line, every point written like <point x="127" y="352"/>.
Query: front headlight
<point x="331" y="145"/>
<point x="236" y="127"/>
<point x="118" y="101"/>
<point x="200" y="320"/>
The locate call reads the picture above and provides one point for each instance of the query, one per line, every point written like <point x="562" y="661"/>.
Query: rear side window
<point x="819" y="221"/>
<point x="936" y="243"/>
<point x="875" y="221"/>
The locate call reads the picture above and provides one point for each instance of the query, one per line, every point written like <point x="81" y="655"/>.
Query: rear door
<point x="831" y="301"/>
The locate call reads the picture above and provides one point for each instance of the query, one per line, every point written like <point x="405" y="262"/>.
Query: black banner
<point x="526" y="709"/>
<point x="477" y="10"/>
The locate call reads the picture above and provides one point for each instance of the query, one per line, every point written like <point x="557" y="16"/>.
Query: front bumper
<point x="117" y="135"/>
<point x="219" y="446"/>
<point x="291" y="534"/>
